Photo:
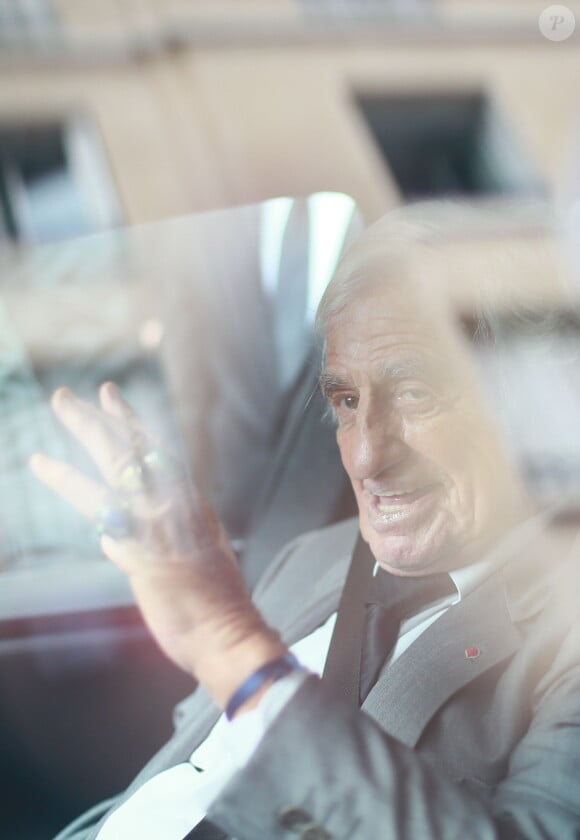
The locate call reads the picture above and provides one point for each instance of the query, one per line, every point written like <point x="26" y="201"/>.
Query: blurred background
<point x="177" y="181"/>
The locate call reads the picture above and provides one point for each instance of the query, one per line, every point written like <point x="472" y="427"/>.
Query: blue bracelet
<point x="274" y="670"/>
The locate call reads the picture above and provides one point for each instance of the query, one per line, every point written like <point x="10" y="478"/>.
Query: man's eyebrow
<point x="401" y="369"/>
<point x="331" y="382"/>
<point x="405" y="368"/>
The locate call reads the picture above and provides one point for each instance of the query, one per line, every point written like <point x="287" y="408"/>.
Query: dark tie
<point x="391" y="600"/>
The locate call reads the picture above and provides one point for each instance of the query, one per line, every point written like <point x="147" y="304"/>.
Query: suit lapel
<point x="316" y="600"/>
<point x="435" y="666"/>
<point x="492" y="618"/>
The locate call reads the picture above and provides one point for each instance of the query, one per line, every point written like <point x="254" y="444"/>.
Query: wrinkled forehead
<point x="384" y="316"/>
<point x="383" y="340"/>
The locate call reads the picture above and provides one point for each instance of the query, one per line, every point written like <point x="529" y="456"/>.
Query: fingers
<point x="81" y="492"/>
<point x="148" y="484"/>
<point x="114" y="404"/>
<point x="112" y="437"/>
<point x="88" y="426"/>
<point x="138" y="439"/>
<point x="89" y="498"/>
<point x="110" y="399"/>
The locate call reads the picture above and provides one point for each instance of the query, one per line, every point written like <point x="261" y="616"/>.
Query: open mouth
<point x="385" y="502"/>
<point x="400" y="504"/>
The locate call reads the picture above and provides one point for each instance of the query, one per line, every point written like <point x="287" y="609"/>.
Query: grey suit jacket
<point x="445" y="745"/>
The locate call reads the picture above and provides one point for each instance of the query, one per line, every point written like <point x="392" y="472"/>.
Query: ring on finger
<point x="116" y="521"/>
<point x="151" y="472"/>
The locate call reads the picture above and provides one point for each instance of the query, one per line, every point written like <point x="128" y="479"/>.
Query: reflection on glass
<point x="206" y="324"/>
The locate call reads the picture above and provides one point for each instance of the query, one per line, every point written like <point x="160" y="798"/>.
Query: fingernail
<point x="111" y="389"/>
<point x="63" y="395"/>
<point x="63" y="402"/>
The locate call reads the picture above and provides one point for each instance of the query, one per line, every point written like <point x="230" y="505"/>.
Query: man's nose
<point x="377" y="444"/>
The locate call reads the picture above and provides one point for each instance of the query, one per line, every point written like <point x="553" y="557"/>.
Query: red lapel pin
<point x="472" y="652"/>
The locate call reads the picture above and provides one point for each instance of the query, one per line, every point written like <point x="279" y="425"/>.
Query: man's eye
<point x="415" y="394"/>
<point x="345" y="402"/>
<point x="416" y="397"/>
<point x="349" y="402"/>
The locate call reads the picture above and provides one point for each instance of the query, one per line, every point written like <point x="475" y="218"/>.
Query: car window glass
<point x="205" y="322"/>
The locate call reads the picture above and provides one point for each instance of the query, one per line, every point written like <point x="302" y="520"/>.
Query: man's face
<point x="432" y="484"/>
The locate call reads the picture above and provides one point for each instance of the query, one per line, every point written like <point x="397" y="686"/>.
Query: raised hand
<point x="158" y="529"/>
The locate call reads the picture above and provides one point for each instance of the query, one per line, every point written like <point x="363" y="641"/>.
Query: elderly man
<point x="450" y="705"/>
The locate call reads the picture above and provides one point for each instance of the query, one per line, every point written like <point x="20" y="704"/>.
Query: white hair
<point x="408" y="242"/>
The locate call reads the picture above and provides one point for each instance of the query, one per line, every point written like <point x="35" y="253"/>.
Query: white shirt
<point x="171" y="803"/>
